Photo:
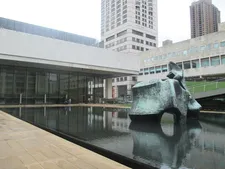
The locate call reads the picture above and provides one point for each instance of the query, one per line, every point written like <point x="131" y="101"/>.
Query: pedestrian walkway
<point x="24" y="146"/>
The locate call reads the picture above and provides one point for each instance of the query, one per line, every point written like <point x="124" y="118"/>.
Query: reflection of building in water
<point x="120" y="121"/>
<point x="208" y="150"/>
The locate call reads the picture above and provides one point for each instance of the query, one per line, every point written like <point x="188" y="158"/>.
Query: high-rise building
<point x="204" y="18"/>
<point x="129" y="26"/>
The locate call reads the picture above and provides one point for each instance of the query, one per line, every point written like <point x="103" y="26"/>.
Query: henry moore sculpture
<point x="151" y="99"/>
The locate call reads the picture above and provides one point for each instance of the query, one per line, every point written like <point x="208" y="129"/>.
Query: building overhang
<point x="21" y="49"/>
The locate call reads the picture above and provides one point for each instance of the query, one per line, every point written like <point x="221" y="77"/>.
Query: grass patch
<point x="196" y="87"/>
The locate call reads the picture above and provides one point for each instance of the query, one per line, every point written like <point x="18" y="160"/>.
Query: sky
<point x="84" y="16"/>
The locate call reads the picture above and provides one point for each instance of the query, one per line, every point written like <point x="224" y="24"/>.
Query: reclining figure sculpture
<point x="157" y="96"/>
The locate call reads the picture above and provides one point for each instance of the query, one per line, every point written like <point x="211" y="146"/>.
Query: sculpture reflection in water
<point x="153" y="147"/>
<point x="151" y="99"/>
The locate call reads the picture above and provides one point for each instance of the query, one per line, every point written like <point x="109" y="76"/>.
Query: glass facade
<point x="152" y="70"/>
<point x="205" y="62"/>
<point x="195" y="64"/>
<point x="180" y="65"/>
<point x="215" y="61"/>
<point x="158" y="69"/>
<point x="187" y="65"/>
<point x="146" y="71"/>
<point x="37" y="86"/>
<point x="184" y="53"/>
<point x="164" y="68"/>
<point x="223" y="59"/>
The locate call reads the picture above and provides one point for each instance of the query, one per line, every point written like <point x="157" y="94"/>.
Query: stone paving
<point x="24" y="146"/>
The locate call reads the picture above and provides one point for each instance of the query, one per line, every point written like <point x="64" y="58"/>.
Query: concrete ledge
<point x="211" y="93"/>
<point x="67" y="105"/>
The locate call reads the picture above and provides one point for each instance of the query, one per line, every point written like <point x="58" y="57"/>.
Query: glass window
<point x="205" y="62"/>
<point x="117" y="79"/>
<point x="202" y="48"/>
<point x="195" y="64"/>
<point x="223" y="59"/>
<point x="121" y="79"/>
<point x="208" y="47"/>
<point x="152" y="70"/>
<point x="53" y="84"/>
<point x="42" y="79"/>
<point x="164" y="68"/>
<point x="180" y="65"/>
<point x="215" y="61"/>
<point x="216" y="45"/>
<point x="187" y="65"/>
<point x="158" y="69"/>
<point x="146" y="71"/>
<point x="134" y="78"/>
<point x="150" y="36"/>
<point x="125" y="78"/>
<point x="121" y="33"/>
<point x="19" y="81"/>
<point x="185" y="53"/>
<point x="137" y="33"/>
<point x="63" y="85"/>
<point x="31" y="83"/>
<point x="169" y="55"/>
<point x="164" y="56"/>
<point x="7" y="81"/>
<point x="110" y="38"/>
<point x="222" y="44"/>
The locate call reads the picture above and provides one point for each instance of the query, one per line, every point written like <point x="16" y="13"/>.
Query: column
<point x="3" y="83"/>
<point x="129" y="89"/>
<point x="108" y="88"/>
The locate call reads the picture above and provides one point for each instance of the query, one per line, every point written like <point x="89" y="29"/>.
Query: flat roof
<point x="45" y="32"/>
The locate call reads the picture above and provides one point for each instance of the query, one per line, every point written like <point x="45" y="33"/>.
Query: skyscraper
<point x="204" y="18"/>
<point x="129" y="25"/>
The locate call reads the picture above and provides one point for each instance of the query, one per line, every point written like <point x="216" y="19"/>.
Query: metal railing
<point x="207" y="86"/>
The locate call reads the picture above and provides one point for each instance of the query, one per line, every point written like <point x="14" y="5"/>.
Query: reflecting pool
<point x="196" y="144"/>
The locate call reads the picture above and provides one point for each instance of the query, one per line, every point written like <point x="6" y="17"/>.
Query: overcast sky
<point x="84" y="16"/>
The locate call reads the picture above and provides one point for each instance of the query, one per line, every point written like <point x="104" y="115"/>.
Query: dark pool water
<point x="196" y="144"/>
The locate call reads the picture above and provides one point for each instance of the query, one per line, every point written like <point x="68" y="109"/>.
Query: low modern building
<point x="201" y="57"/>
<point x="122" y="86"/>
<point x="43" y="69"/>
<point x="46" y="32"/>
